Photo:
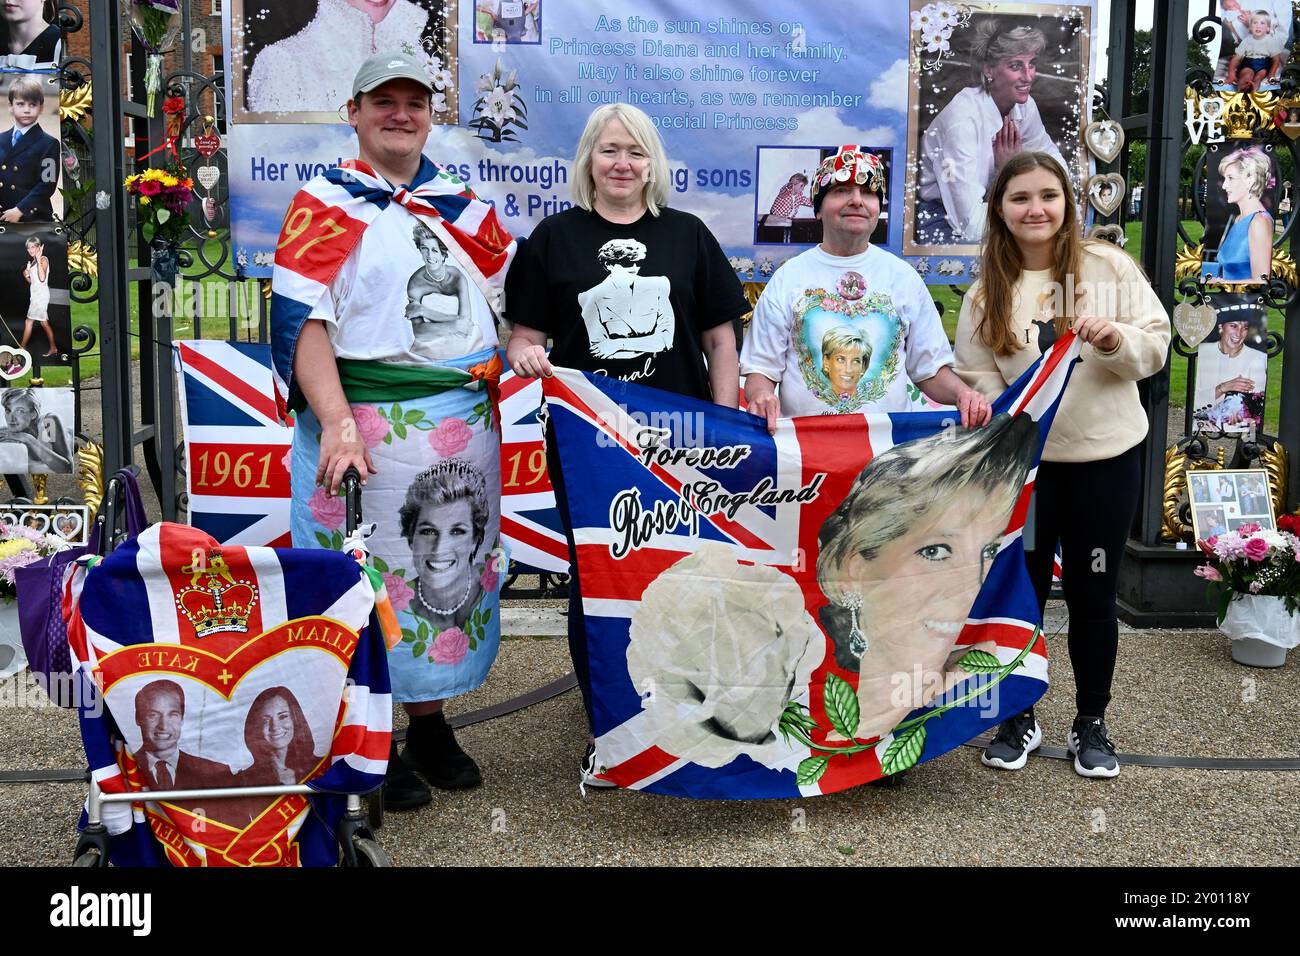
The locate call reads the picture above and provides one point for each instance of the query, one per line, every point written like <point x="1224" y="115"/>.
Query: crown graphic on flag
<point x="221" y="604"/>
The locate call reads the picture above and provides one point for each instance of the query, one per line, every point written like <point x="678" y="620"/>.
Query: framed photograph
<point x="1007" y="77"/>
<point x="37" y="431"/>
<point x="1225" y="500"/>
<point x="271" y="81"/>
<point x="69" y="522"/>
<point x="1241" y="201"/>
<point x="502" y="22"/>
<point x="1254" y="44"/>
<point x="30" y="166"/>
<point x="783" y="208"/>
<point x="35" y="308"/>
<point x="1232" y="368"/>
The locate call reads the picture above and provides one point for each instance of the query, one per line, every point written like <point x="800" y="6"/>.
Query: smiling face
<point x="1033" y="207"/>
<point x="375" y="9"/>
<point x="1011" y="79"/>
<point x="843" y="368"/>
<point x="849" y="214"/>
<point x="20" y="415"/>
<point x="392" y="123"/>
<point x="274" y="723"/>
<point x="1232" y="337"/>
<point x="443" y="546"/>
<point x="433" y="254"/>
<point x="620" y="167"/>
<point x="919" y="589"/>
<point x="159" y="719"/>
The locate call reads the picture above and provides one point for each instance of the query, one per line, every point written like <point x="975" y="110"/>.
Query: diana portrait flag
<point x="776" y="616"/>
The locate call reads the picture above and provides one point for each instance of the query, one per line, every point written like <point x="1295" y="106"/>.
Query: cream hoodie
<point x="1100" y="415"/>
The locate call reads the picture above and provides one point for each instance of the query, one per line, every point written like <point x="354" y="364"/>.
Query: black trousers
<point x="577" y="626"/>
<point x="1088" y="508"/>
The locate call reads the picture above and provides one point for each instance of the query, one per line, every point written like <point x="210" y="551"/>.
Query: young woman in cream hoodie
<point x="1039" y="279"/>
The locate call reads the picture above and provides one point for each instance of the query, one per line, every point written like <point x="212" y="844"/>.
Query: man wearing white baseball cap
<point x="844" y="326"/>
<point x="387" y="288"/>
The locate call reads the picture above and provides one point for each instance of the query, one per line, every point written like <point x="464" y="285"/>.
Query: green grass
<point x="951" y="303"/>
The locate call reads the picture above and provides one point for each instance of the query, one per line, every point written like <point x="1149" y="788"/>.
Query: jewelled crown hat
<point x="848" y="164"/>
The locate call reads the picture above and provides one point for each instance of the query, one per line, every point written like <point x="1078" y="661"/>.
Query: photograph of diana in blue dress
<point x="1245" y="253"/>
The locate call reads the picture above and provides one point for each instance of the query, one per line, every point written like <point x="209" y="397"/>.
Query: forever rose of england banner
<point x="777" y="616"/>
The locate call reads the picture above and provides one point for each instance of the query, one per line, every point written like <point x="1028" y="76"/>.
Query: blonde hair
<point x="1255" y="165"/>
<point x="638" y="124"/>
<point x="992" y="43"/>
<point x="1001" y="262"/>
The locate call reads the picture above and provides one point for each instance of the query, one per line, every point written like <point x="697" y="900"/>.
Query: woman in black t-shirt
<point x="625" y="287"/>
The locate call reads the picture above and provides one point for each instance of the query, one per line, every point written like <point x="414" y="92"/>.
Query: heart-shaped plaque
<point x="14" y="363"/>
<point x="1193" y="322"/>
<point x="1288" y="118"/>
<point x="208" y="176"/>
<point x="1106" y="192"/>
<point x="207" y="144"/>
<point x="38" y="521"/>
<point x="1105" y="138"/>
<point x="1113" y="233"/>
<point x="68" y="526"/>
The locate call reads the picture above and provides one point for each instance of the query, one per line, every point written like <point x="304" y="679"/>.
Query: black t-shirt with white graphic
<point x="626" y="300"/>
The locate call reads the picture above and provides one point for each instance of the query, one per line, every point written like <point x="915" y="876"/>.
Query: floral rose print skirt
<point x="436" y="505"/>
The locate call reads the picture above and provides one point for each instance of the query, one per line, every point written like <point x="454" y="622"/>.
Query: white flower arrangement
<point x="499" y="107"/>
<point x="933" y="26"/>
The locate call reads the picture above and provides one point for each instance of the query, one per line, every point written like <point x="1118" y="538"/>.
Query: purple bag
<point x="40" y="598"/>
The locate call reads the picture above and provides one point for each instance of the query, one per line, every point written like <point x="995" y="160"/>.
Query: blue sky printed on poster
<point x="746" y="95"/>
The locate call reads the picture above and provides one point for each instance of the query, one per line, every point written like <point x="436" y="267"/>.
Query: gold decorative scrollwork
<point x="75" y="103"/>
<point x="1177" y="465"/>
<point x="82" y="258"/>
<point x="1273" y="459"/>
<point x="40" y="495"/>
<point x="1187" y="265"/>
<point x="90" y="474"/>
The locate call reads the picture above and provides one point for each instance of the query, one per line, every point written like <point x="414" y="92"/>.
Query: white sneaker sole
<point x="1095" y="773"/>
<point x="1035" y="742"/>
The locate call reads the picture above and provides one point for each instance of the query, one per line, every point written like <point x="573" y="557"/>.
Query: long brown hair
<point x="1001" y="262"/>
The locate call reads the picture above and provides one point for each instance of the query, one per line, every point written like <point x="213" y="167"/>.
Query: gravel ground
<point x="1176" y="693"/>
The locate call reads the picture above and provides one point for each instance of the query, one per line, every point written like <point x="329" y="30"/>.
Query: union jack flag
<point x="174" y="615"/>
<point x="729" y="655"/>
<point x="530" y="522"/>
<point x="235" y="443"/>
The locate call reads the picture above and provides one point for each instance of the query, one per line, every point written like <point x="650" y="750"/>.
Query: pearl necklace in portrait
<point x="419" y="595"/>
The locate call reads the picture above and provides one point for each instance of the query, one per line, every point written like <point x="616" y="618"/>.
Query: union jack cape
<point x="717" y="637"/>
<point x="327" y="218"/>
<point x="174" y="612"/>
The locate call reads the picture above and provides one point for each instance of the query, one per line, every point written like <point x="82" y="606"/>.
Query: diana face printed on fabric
<point x="444" y="521"/>
<point x="902" y="571"/>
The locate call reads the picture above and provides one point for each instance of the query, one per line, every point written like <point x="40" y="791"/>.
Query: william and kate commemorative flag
<point x="208" y="666"/>
<point x="777" y="616"/>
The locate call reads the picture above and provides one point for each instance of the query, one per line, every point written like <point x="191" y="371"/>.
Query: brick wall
<point x="205" y="40"/>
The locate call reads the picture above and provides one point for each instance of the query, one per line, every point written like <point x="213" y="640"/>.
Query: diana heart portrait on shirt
<point x="1018" y="87"/>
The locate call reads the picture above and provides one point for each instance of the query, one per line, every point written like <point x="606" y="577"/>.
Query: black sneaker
<point x="431" y="748"/>
<point x="403" y="790"/>
<point x="1016" y="739"/>
<point x="588" y="770"/>
<point x="1091" y="746"/>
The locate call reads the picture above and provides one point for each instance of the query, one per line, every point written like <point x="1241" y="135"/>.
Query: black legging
<point x="577" y="626"/>
<point x="1088" y="507"/>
